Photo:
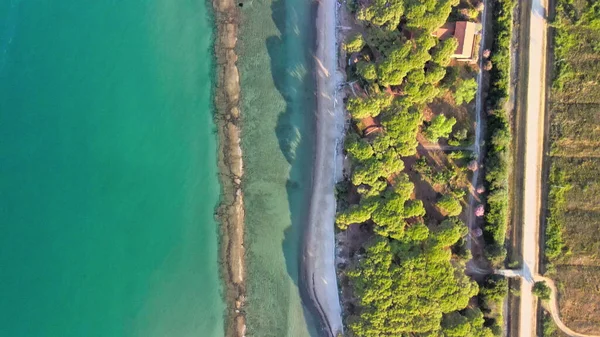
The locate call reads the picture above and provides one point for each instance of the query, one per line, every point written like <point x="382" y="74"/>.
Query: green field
<point x="572" y="235"/>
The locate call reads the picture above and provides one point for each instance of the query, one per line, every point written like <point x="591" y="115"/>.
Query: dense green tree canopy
<point x="541" y="290"/>
<point x="465" y="91"/>
<point x="401" y="127"/>
<point x="470" y="324"/>
<point x="368" y="171"/>
<point x="358" y="148"/>
<point x="428" y="15"/>
<point x="357" y="213"/>
<point x="373" y="190"/>
<point x="407" y="283"/>
<point x="391" y="212"/>
<point x="355" y="43"/>
<point x="372" y="106"/>
<point x="435" y="74"/>
<point x="442" y="53"/>
<point x="450" y="205"/>
<point x="406" y="288"/>
<point x="494" y="290"/>
<point x="383" y="40"/>
<point x="439" y="127"/>
<point x="367" y="70"/>
<point x="385" y="13"/>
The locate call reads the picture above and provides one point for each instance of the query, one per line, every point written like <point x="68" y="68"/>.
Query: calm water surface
<point x="108" y="176"/>
<point x="278" y="111"/>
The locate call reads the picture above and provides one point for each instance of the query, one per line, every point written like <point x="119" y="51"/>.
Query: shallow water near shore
<point x="278" y="109"/>
<point x="108" y="170"/>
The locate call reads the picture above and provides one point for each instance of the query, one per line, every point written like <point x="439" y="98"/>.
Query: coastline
<point x="231" y="210"/>
<point x="319" y="251"/>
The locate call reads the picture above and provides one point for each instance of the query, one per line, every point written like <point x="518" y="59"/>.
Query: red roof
<point x="464" y="32"/>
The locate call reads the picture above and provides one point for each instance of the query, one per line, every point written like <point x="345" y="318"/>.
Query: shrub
<point x="555" y="245"/>
<point x="541" y="290"/>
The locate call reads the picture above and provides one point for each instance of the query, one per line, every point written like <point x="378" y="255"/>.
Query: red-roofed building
<point x="369" y="126"/>
<point x="465" y="33"/>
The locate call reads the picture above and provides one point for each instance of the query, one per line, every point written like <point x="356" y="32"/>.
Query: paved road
<point x="534" y="134"/>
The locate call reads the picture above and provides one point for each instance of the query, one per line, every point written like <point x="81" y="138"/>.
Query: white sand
<point x="319" y="254"/>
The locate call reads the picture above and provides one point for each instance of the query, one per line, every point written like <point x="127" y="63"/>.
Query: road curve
<point x="552" y="307"/>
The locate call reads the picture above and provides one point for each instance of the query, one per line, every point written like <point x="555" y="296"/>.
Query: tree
<point x="368" y="171"/>
<point x="435" y="74"/>
<point x="442" y="53"/>
<point x="439" y="127"/>
<point x="417" y="232"/>
<point x="466" y="91"/>
<point x="373" y="190"/>
<point x="358" y="148"/>
<point x="371" y="106"/>
<point x="356" y="213"/>
<point x="449" y="231"/>
<point x="366" y="70"/>
<point x="541" y="290"/>
<point x="382" y="13"/>
<point x="428" y="15"/>
<point x="383" y="40"/>
<point x="405" y="288"/>
<point x="395" y="67"/>
<point x="471" y="324"/>
<point x="401" y="126"/>
<point x="354" y="44"/>
<point x="494" y="289"/>
<point x="449" y="205"/>
<point x="396" y="206"/>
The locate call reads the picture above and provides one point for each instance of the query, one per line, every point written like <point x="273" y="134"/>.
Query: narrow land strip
<point x="231" y="210"/>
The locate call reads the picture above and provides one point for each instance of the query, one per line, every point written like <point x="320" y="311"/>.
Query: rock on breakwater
<point x="231" y="211"/>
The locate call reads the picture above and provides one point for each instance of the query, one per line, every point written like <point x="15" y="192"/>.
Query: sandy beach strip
<point x="231" y="209"/>
<point x="318" y="258"/>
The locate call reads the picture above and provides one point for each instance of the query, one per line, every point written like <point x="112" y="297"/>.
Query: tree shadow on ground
<point x="291" y="67"/>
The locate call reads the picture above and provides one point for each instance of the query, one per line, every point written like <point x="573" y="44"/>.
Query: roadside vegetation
<point x="499" y="137"/>
<point x="542" y="291"/>
<point x="402" y="208"/>
<point x="573" y="218"/>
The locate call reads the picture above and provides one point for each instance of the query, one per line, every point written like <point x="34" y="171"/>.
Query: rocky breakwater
<point x="231" y="210"/>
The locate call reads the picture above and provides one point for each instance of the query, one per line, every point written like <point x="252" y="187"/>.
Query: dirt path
<point x="534" y="136"/>
<point x="476" y="147"/>
<point x="551" y="305"/>
<point x="318" y="259"/>
<point x="438" y="147"/>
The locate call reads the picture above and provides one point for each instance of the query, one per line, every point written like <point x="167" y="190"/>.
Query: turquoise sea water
<point x="108" y="174"/>
<point x="278" y="111"/>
